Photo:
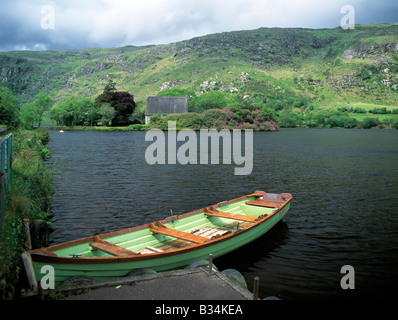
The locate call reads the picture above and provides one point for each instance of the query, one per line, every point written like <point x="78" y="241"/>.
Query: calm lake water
<point x="344" y="211"/>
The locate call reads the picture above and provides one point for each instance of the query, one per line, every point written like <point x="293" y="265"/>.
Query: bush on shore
<point x="226" y="118"/>
<point x="29" y="196"/>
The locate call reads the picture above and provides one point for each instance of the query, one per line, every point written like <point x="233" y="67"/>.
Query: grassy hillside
<point x="330" y="68"/>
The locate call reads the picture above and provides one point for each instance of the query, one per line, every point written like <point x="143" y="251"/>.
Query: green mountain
<point x="328" y="67"/>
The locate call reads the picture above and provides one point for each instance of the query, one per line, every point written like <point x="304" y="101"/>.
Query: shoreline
<point x="146" y="128"/>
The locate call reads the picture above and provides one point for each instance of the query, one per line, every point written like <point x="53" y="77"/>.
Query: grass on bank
<point x="381" y="117"/>
<point x="133" y="127"/>
<point x="29" y="196"/>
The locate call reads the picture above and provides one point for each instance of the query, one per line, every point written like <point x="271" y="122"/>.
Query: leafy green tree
<point x="42" y="105"/>
<point x="92" y="115"/>
<point x="107" y="113"/>
<point x="311" y="120"/>
<point x="71" y="113"/>
<point x="122" y="102"/>
<point x="75" y="110"/>
<point x="85" y="110"/>
<point x="107" y="95"/>
<point x="28" y="115"/>
<point x="9" y="113"/>
<point x="138" y="115"/>
<point x="56" y="114"/>
<point x="290" y="118"/>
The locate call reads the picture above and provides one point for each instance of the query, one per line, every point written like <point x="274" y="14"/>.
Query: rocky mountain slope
<point x="329" y="67"/>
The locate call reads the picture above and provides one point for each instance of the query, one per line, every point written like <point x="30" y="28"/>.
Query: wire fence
<point x="5" y="174"/>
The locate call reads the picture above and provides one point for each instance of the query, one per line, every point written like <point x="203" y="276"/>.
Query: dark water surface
<point x="344" y="211"/>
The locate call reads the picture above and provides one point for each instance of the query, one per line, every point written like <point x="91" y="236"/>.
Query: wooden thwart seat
<point x="160" y="228"/>
<point x="149" y="249"/>
<point x="110" y="248"/>
<point x="262" y="203"/>
<point x="210" y="233"/>
<point x="153" y="249"/>
<point x="234" y="216"/>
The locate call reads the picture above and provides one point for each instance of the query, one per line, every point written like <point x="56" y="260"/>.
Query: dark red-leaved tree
<point x="124" y="104"/>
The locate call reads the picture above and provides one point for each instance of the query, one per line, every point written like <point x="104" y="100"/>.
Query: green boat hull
<point x="107" y="267"/>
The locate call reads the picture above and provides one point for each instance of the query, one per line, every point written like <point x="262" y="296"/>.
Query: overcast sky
<point x="78" y="24"/>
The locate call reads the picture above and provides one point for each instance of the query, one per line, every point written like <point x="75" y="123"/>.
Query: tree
<point x="122" y="102"/>
<point x="42" y="104"/>
<point x="290" y="118"/>
<point x="28" y="115"/>
<point x="9" y="113"/>
<point x="107" y="113"/>
<point x="92" y="115"/>
<point x="70" y="111"/>
<point x="107" y="95"/>
<point x="124" y="105"/>
<point x="57" y="114"/>
<point x="138" y="116"/>
<point x="75" y="110"/>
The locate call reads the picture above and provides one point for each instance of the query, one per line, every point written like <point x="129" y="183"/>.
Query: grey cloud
<point x="105" y="23"/>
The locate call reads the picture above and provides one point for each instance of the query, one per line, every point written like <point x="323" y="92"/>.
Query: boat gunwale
<point x="47" y="255"/>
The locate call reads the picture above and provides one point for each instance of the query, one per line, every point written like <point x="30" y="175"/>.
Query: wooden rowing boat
<point x="168" y="244"/>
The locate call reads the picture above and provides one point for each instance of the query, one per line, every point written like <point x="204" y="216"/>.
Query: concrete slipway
<point x="185" y="284"/>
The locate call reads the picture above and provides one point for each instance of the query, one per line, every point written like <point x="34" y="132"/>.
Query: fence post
<point x="5" y="174"/>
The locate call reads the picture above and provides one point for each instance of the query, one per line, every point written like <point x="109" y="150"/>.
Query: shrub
<point x="368" y="123"/>
<point x="225" y="118"/>
<point x="379" y="110"/>
<point x="365" y="74"/>
<point x="350" y="123"/>
<point x="290" y="119"/>
<point x="213" y="118"/>
<point x="9" y="113"/>
<point x="328" y="119"/>
<point x="156" y="119"/>
<point x="209" y="100"/>
<point x="137" y="127"/>
<point x="190" y="120"/>
<point x="184" y="120"/>
<point x="29" y="196"/>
